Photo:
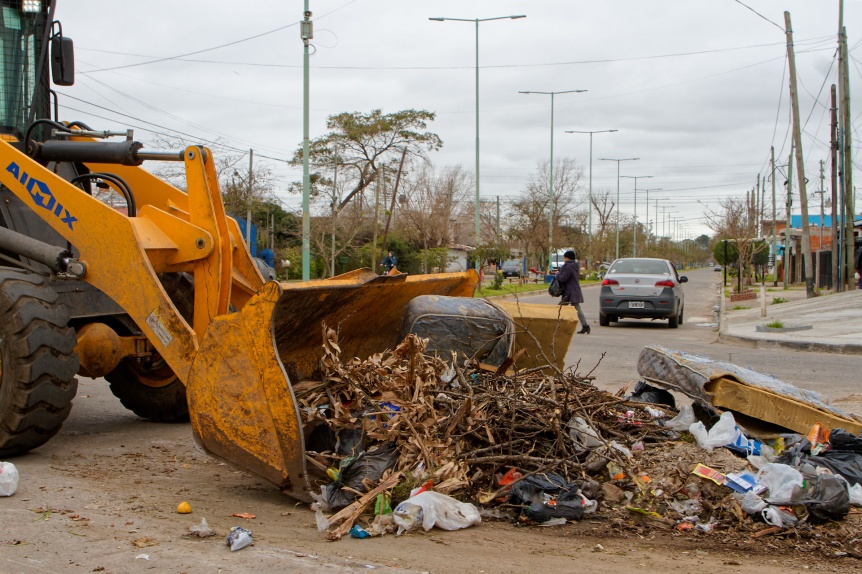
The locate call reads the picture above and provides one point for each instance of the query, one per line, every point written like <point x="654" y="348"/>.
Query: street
<point x="102" y="495"/>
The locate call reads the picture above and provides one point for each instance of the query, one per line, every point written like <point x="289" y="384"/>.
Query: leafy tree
<point x="728" y="257"/>
<point x="359" y="142"/>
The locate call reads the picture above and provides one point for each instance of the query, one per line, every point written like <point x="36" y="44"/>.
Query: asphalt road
<point x="616" y="348"/>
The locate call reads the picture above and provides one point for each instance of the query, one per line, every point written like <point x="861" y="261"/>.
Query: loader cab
<point x="31" y="46"/>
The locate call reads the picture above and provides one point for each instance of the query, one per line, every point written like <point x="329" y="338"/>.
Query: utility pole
<point x="248" y="207"/>
<point x="635" y="223"/>
<point x="846" y="138"/>
<point x="617" y="253"/>
<point x="334" y="210"/>
<point x="787" y="222"/>
<point x="774" y="227"/>
<point x="800" y="166"/>
<point x="833" y="152"/>
<point x="306" y="32"/>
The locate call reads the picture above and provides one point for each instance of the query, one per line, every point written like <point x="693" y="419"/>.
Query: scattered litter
<point x="142" y="557"/>
<point x="184" y="508"/>
<point x="245" y="515"/>
<point x="144" y="542"/>
<point x="201" y="530"/>
<point x="8" y="479"/>
<point x="429" y="509"/>
<point x="238" y="538"/>
<point x="357" y="531"/>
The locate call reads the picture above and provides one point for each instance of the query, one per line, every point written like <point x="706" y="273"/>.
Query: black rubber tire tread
<point x="167" y="404"/>
<point x="681" y="315"/>
<point x="604" y="321"/>
<point x="673" y="321"/>
<point x="37" y="377"/>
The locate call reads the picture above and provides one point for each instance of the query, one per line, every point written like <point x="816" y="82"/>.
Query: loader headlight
<point x="32" y="6"/>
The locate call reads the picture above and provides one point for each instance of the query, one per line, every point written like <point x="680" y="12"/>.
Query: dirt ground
<point x="102" y="497"/>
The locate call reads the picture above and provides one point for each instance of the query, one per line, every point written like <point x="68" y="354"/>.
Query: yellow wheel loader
<point x="161" y="299"/>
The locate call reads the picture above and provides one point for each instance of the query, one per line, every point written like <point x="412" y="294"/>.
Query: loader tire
<point x="151" y="391"/>
<point x="38" y="362"/>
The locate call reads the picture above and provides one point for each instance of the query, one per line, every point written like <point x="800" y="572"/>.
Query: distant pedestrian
<point x="569" y="277"/>
<point x="389" y="263"/>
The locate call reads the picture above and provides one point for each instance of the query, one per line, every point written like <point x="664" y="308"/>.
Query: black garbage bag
<point x="826" y="498"/>
<point x="840" y="439"/>
<point x="847" y="463"/>
<point x="370" y="464"/>
<point x="527" y="489"/>
<point x="547" y="496"/>
<point x="567" y="504"/>
<point x="646" y="393"/>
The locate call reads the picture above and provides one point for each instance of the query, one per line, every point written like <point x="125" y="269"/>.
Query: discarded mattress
<point x="753" y="397"/>
<point x="473" y="328"/>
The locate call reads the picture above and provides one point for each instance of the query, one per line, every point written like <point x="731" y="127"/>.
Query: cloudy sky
<point x="697" y="88"/>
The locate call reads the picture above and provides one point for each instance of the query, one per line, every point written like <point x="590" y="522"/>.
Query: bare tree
<point x="736" y="219"/>
<point x="433" y="198"/>
<point x="530" y="213"/>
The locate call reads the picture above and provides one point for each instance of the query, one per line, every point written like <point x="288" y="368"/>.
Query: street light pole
<point x="590" y="212"/>
<point x="635" y="227"/>
<point x="551" y="173"/>
<point x="476" y="21"/>
<point x="617" y="255"/>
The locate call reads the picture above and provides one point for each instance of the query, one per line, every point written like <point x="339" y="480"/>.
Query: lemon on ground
<point x="184" y="508"/>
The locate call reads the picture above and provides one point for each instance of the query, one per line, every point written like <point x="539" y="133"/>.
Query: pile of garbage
<point x="408" y="440"/>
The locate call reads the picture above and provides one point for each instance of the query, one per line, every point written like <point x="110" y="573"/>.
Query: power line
<point x="759" y="14"/>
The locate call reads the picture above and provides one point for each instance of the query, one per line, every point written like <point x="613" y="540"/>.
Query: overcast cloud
<point x="697" y="88"/>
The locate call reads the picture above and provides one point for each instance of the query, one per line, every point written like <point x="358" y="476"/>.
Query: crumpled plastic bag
<point x="723" y="433"/>
<point x="783" y="482"/>
<point x="826" y="498"/>
<point x="429" y="509"/>
<point x="855" y="494"/>
<point x="370" y="465"/>
<point x="238" y="538"/>
<point x="8" y="479"/>
<point x="201" y="530"/>
<point x="682" y="421"/>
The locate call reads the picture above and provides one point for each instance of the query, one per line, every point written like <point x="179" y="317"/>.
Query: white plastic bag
<point x="723" y="433"/>
<point x="683" y="420"/>
<point x="8" y="479"/>
<point x="855" y="493"/>
<point x="752" y="504"/>
<point x="583" y="434"/>
<point x="783" y="482"/>
<point x="430" y="509"/>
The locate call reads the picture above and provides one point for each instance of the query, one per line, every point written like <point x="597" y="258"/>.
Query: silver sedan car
<point x="642" y="288"/>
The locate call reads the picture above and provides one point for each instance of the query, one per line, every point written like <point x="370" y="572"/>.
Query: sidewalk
<point x="835" y="320"/>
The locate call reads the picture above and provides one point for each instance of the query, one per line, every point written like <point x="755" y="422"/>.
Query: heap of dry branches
<point x="461" y="426"/>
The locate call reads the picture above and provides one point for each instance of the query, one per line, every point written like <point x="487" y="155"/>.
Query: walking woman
<point x="569" y="277"/>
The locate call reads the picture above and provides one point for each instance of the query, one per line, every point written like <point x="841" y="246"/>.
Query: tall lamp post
<point x="635" y="228"/>
<point x="476" y="21"/>
<point x="551" y="174"/>
<point x="590" y="213"/>
<point x="617" y="255"/>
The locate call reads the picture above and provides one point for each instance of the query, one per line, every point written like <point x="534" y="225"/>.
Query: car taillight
<point x="667" y="283"/>
<point x="610" y="282"/>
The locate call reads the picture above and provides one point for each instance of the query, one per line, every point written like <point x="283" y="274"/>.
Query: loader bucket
<point x="239" y="390"/>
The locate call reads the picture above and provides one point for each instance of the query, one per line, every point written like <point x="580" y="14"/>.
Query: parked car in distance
<point x="265" y="270"/>
<point x="642" y="288"/>
<point x="511" y="268"/>
<point x="717" y="268"/>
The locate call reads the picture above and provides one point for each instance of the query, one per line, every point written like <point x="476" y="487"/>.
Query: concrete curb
<point x="810" y="346"/>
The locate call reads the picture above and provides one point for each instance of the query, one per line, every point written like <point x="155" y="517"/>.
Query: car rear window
<point x="641" y="267"/>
